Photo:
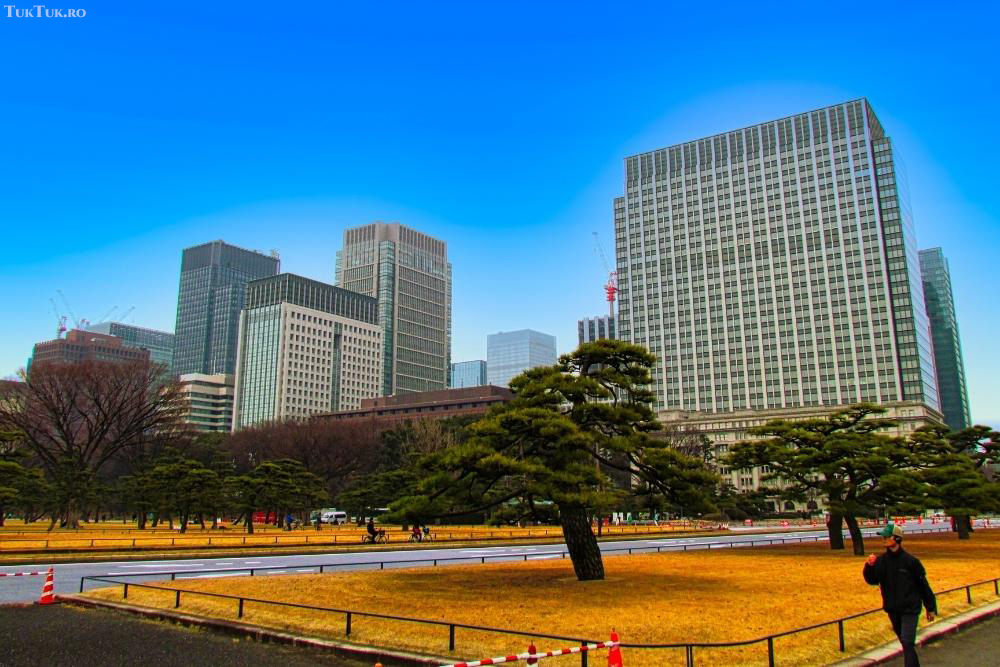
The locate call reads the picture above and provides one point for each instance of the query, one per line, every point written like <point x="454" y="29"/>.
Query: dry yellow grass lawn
<point x="711" y="596"/>
<point x="110" y="536"/>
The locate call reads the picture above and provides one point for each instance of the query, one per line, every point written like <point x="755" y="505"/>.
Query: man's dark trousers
<point x="905" y="627"/>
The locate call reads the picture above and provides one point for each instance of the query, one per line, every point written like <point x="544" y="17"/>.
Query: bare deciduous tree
<point x="77" y="418"/>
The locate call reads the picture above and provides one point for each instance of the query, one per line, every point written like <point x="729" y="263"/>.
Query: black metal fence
<point x="689" y="648"/>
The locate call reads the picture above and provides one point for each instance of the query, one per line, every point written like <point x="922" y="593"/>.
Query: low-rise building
<point x="79" y="346"/>
<point x="436" y="404"/>
<point x="208" y="401"/>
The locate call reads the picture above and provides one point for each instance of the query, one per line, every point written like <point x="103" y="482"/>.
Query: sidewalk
<point x="969" y="639"/>
<point x="978" y="645"/>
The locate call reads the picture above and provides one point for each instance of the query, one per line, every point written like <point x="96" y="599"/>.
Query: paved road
<point x="979" y="646"/>
<point x="67" y="575"/>
<point x="66" y="635"/>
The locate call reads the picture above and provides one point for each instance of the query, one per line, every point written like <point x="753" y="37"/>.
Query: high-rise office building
<point x="408" y="272"/>
<point x="775" y="267"/>
<point x="207" y="401"/>
<point x="944" y="332"/>
<point x="513" y="352"/>
<point x="468" y="374"/>
<point x="214" y="278"/>
<point x="159" y="343"/>
<point x="590" y="329"/>
<point x="305" y="348"/>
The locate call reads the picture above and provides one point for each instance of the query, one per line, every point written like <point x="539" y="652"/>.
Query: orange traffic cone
<point x="614" y="653"/>
<point x="47" y="596"/>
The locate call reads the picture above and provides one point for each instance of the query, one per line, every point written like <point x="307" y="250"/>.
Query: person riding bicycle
<point x="427" y="533"/>
<point x="415" y="534"/>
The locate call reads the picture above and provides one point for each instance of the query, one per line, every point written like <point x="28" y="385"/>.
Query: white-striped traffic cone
<point x="47" y="596"/>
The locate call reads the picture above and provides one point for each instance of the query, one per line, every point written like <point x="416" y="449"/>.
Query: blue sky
<point x="143" y="128"/>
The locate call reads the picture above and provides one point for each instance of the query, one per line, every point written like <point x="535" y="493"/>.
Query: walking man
<point x="903" y="583"/>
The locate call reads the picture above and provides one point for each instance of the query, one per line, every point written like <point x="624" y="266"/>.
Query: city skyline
<point x="525" y="259"/>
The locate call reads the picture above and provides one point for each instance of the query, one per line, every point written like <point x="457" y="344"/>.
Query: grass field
<point x="711" y="596"/>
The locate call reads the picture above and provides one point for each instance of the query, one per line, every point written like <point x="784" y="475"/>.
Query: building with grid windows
<point x="159" y="343"/>
<point x="79" y="346"/>
<point x="944" y="333"/>
<point x="213" y="284"/>
<point x="590" y="329"/>
<point x="409" y="273"/>
<point x="305" y="348"/>
<point x="513" y="352"/>
<point x="207" y="401"/>
<point x="468" y="374"/>
<point x="774" y="268"/>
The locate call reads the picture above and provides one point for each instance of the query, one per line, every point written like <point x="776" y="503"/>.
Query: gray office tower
<point x="159" y="343"/>
<point x="468" y="374"/>
<point x="214" y="279"/>
<point x="775" y="266"/>
<point x="408" y="272"/>
<point x="590" y="329"/>
<point x="513" y="352"/>
<point x="944" y="332"/>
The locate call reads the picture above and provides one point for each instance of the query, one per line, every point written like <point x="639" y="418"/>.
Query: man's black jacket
<point x="903" y="582"/>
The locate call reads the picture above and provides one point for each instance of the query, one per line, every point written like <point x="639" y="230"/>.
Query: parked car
<point x="337" y="517"/>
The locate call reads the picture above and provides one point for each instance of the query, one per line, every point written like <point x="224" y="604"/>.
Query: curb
<point x="944" y="628"/>
<point x="262" y="634"/>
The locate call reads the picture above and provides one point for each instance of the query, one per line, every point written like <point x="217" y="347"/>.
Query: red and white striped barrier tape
<point x="24" y="574"/>
<point x="535" y="656"/>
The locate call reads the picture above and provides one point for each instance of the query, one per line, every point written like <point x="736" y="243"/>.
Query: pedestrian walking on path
<point x="903" y="582"/>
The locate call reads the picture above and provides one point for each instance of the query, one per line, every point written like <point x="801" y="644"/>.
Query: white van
<point x="333" y="516"/>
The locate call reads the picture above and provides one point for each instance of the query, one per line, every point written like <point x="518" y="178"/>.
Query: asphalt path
<point x="75" y="637"/>
<point x="68" y="575"/>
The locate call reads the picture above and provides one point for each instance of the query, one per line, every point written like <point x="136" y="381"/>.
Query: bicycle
<point x="381" y="537"/>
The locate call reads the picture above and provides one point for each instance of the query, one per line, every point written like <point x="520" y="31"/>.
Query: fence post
<point x="82" y="578"/>
<point x="840" y="630"/>
<point x="239" y="612"/>
<point x="770" y="652"/>
<point x="583" y="658"/>
<point x="251" y="571"/>
<point x="321" y="569"/>
<point x="451" y="637"/>
<point x="125" y="592"/>
<point x="347" y="626"/>
<point x="968" y="594"/>
<point x="996" y="587"/>
<point x="173" y="576"/>
<point x="177" y="600"/>
<point x="689" y="655"/>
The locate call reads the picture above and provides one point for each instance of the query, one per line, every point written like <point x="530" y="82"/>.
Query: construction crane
<point x="611" y="287"/>
<point x="76" y="322"/>
<point x="60" y="319"/>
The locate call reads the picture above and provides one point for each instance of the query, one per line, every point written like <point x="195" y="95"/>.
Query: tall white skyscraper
<point x="775" y="267"/>
<point x="305" y="348"/>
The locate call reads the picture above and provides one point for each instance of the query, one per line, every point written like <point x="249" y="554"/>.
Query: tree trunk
<point x="52" y="522"/>
<point x="141" y="520"/>
<point x="248" y="517"/>
<point x="857" y="539"/>
<point x="962" y="524"/>
<point x="184" y="522"/>
<point x="581" y="543"/>
<point x="835" y="530"/>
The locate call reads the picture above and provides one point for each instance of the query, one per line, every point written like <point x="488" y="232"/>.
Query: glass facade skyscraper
<point x="305" y="348"/>
<point x="409" y="273"/>
<point x="159" y="343"/>
<point x="775" y="266"/>
<point x="214" y="278"/>
<point x="511" y="353"/>
<point x="590" y="329"/>
<point x="947" y="345"/>
<point x="468" y="374"/>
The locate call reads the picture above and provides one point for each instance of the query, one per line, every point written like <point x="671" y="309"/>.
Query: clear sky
<point x="500" y="128"/>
